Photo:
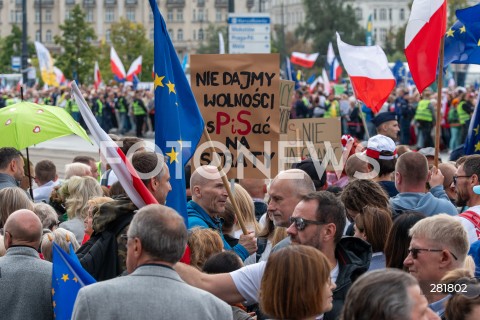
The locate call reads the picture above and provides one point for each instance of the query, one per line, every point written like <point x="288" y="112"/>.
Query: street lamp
<point x="24" y="40"/>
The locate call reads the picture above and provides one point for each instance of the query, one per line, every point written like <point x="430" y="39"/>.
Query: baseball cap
<point x="427" y="152"/>
<point x="381" y="147"/>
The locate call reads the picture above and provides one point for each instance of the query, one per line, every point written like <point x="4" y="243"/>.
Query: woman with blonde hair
<point x="231" y="228"/>
<point x="62" y="237"/>
<point x="93" y="207"/>
<point x="77" y="191"/>
<point x="12" y="199"/>
<point x="203" y="243"/>
<point x="296" y="284"/>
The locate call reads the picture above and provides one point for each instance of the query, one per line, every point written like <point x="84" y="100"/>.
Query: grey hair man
<point x="156" y="241"/>
<point x="388" y="294"/>
<point x="26" y="280"/>
<point x="439" y="244"/>
<point x="11" y="167"/>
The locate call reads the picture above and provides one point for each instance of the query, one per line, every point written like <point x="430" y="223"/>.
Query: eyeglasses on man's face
<point x="301" y="223"/>
<point x="414" y="252"/>
<point x="455" y="178"/>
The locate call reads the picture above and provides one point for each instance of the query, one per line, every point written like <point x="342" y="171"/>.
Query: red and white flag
<point x="59" y="76"/>
<point x="97" y="77"/>
<point x="327" y="88"/>
<point x="117" y="66"/>
<point x="135" y="68"/>
<point x="425" y="29"/>
<point x="303" y="59"/>
<point x="367" y="66"/>
<point x="115" y="157"/>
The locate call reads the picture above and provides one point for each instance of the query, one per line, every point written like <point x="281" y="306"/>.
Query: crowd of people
<point x="393" y="236"/>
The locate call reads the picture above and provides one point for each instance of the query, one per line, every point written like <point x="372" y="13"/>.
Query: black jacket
<point x="353" y="255"/>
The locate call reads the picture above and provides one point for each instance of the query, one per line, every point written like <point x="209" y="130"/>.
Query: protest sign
<point x="324" y="134"/>
<point x="238" y="96"/>
<point x="287" y="89"/>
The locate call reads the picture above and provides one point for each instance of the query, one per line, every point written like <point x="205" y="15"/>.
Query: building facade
<point x="187" y="20"/>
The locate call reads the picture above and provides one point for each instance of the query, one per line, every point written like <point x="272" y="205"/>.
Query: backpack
<point x="99" y="255"/>
<point x="473" y="218"/>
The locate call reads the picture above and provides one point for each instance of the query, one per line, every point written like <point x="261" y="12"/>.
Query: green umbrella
<point x="25" y="124"/>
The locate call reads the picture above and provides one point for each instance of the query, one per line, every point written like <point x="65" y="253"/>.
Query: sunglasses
<point x="455" y="178"/>
<point x="414" y="252"/>
<point x="301" y="223"/>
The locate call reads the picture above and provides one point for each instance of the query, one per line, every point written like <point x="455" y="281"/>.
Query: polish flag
<point x="327" y="88"/>
<point x="425" y="29"/>
<point x="59" y="75"/>
<point x="123" y="169"/>
<point x="117" y="66"/>
<point x="97" y="77"/>
<point x="303" y="59"/>
<point x="335" y="70"/>
<point x="135" y="68"/>
<point x="367" y="66"/>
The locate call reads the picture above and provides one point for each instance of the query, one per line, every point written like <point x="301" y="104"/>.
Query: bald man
<point x="209" y="198"/>
<point x="25" y="279"/>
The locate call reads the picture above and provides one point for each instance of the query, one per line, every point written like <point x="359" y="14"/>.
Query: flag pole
<point x="362" y="116"/>
<point x="439" y="102"/>
<point x="241" y="222"/>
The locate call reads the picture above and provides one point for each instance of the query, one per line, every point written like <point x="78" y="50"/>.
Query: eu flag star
<point x="75" y="279"/>
<point x="477" y="129"/>
<point x="463" y="29"/>
<point x="477" y="146"/>
<point x="158" y="81"/>
<point x="53" y="291"/>
<point x="450" y="32"/>
<point x="54" y="304"/>
<point x="173" y="155"/>
<point x="65" y="277"/>
<point x="171" y="87"/>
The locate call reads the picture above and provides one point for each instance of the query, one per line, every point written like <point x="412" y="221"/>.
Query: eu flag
<point x="462" y="40"/>
<point x="68" y="277"/>
<point x="178" y="122"/>
<point x="472" y="143"/>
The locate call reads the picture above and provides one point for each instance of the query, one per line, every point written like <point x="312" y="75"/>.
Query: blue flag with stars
<point x="472" y="143"/>
<point x="462" y="40"/>
<point x="68" y="277"/>
<point x="178" y="122"/>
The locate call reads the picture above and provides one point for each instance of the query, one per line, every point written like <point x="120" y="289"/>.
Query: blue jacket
<point x="434" y="202"/>
<point x="197" y="217"/>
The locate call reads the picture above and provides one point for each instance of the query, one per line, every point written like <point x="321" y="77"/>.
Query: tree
<point x="129" y="40"/>
<point x="78" y="54"/>
<point x="12" y="46"/>
<point x="211" y="45"/>
<point x="454" y="5"/>
<point x="325" y="17"/>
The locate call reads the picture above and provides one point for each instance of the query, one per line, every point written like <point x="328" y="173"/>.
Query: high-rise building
<point x="187" y="20"/>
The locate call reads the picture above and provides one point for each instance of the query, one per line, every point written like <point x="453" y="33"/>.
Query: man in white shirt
<point x="465" y="179"/>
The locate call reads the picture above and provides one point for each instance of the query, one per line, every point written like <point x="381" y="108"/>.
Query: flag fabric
<point x="368" y="35"/>
<point x="126" y="174"/>
<point x="367" y="66"/>
<point x="60" y="77"/>
<point x="462" y="40"/>
<point x="335" y="70"/>
<point x="221" y="43"/>
<point x="303" y="59"/>
<point x="184" y="62"/>
<point x="68" y="277"/>
<point x="330" y="54"/>
<point x="472" y="143"/>
<point x="425" y="28"/>
<point x="312" y="86"/>
<point x="97" y="77"/>
<point x="399" y="71"/>
<point x="116" y="64"/>
<point x="178" y="120"/>
<point x="327" y="88"/>
<point x="46" y="65"/>
<point x="288" y="69"/>
<point x="135" y="69"/>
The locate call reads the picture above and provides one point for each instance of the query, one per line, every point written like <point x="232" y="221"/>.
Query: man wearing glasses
<point x="439" y="244"/>
<point x="464" y="180"/>
<point x="318" y="221"/>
